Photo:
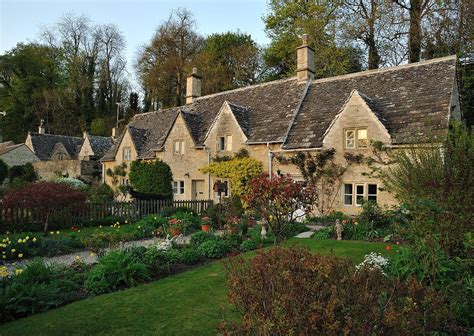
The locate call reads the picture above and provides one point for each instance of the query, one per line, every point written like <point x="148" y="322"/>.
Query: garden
<point x="406" y="270"/>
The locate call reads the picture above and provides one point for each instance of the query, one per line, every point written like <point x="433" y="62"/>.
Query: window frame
<point x="356" y="140"/>
<point x="179" y="187"/>
<point x="127" y="153"/>
<point x="180" y="147"/>
<point x="355" y="195"/>
<point x="221" y="143"/>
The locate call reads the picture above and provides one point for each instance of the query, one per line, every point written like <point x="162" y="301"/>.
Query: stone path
<point x="91" y="258"/>
<point x="308" y="234"/>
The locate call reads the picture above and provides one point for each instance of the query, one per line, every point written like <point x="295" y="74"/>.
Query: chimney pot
<point x="41" y="128"/>
<point x="193" y="86"/>
<point x="304" y="61"/>
<point x="114" y="132"/>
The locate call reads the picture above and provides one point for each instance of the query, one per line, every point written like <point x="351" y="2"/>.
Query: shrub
<point x="250" y="245"/>
<point x="168" y="212"/>
<point x="190" y="256"/>
<point x="326" y="233"/>
<point x="44" y="199"/>
<point x="214" y="249"/>
<point x="291" y="291"/>
<point x="279" y="200"/>
<point x="189" y="221"/>
<point x="101" y="193"/>
<point x="200" y="237"/>
<point x="151" y="178"/>
<point x="116" y="270"/>
<point x="156" y="221"/>
<point x="22" y="174"/>
<point x="3" y="171"/>
<point x="38" y="288"/>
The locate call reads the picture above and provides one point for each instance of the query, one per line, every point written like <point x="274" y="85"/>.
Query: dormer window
<point x="127" y="154"/>
<point x="60" y="156"/>
<point x="224" y="143"/>
<point x="178" y="147"/>
<point x="356" y="138"/>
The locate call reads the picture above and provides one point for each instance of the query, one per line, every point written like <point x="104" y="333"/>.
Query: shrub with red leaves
<point x="293" y="292"/>
<point x="43" y="199"/>
<point x="277" y="200"/>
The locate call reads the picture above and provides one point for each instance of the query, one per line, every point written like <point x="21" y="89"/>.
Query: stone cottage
<point x="68" y="156"/>
<point x="398" y="106"/>
<point x="16" y="154"/>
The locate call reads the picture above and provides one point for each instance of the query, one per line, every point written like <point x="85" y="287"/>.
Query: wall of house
<point x="126" y="142"/>
<point x="47" y="170"/>
<point x="185" y="167"/>
<point x="19" y="156"/>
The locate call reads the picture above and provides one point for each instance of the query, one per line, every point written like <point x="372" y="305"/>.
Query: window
<point x="372" y="192"/>
<point x="127" y="154"/>
<point x="224" y="143"/>
<point x="359" y="192"/>
<point x="178" y="147"/>
<point x="356" y="138"/>
<point x="60" y="156"/>
<point x="178" y="187"/>
<point x="124" y="181"/>
<point x="347" y="194"/>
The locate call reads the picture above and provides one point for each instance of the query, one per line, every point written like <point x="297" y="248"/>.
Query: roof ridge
<point x="248" y="87"/>
<point x="388" y="69"/>
<point x="56" y="135"/>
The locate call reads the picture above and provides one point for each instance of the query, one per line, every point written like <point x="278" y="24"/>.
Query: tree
<point x="3" y="171"/>
<point x="287" y="21"/>
<point x="228" y="61"/>
<point x="44" y="199"/>
<point x="151" y="179"/>
<point x="279" y="200"/>
<point x="164" y="62"/>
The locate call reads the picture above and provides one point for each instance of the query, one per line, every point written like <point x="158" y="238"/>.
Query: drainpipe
<point x="270" y="161"/>
<point x="208" y="150"/>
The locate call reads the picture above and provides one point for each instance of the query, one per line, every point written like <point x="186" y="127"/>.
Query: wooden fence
<point x="131" y="210"/>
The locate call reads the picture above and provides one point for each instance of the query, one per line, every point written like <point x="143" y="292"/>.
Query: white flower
<point x="374" y="261"/>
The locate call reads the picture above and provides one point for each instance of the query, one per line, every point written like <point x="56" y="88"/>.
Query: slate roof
<point x="100" y="145"/>
<point x="411" y="101"/>
<point x="8" y="146"/>
<point x="43" y="144"/>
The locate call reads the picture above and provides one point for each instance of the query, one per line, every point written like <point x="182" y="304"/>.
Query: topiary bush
<point x="291" y="291"/>
<point x="151" y="178"/>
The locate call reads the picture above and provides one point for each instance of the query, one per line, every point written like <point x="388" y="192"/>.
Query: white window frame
<point x="127" y="154"/>
<point x="357" y="141"/>
<point x="359" y="196"/>
<point x="179" y="187"/>
<point x="221" y="143"/>
<point x="178" y="147"/>
<point x="344" y="194"/>
<point x="355" y="195"/>
<point x="372" y="195"/>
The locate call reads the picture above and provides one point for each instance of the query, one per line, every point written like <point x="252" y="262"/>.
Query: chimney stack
<point x="305" y="61"/>
<point x="193" y="86"/>
<point x="114" y="132"/>
<point x="41" y="128"/>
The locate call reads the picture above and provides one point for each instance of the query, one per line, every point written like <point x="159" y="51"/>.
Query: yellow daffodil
<point x="52" y="232"/>
<point x="20" y="255"/>
<point x="57" y="232"/>
<point x="27" y="238"/>
<point x="34" y="239"/>
<point x="18" y="271"/>
<point x="19" y="241"/>
<point x="13" y="250"/>
<point x="4" y="257"/>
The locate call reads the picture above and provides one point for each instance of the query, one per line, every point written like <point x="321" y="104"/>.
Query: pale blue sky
<point x="21" y="20"/>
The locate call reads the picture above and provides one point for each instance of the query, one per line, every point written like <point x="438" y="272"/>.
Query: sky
<point x="22" y="20"/>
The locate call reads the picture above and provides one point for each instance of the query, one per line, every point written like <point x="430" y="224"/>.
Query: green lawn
<point x="190" y="303"/>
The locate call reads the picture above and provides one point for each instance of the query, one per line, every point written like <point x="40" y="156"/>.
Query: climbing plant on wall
<point x="239" y="170"/>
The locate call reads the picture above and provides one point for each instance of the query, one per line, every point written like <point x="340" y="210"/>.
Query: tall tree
<point x="163" y="63"/>
<point x="28" y="75"/>
<point x="288" y="20"/>
<point x="229" y="60"/>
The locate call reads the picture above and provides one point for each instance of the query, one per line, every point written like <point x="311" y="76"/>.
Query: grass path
<point x="190" y="303"/>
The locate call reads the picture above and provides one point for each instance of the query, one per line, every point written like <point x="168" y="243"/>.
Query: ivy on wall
<point x="239" y="170"/>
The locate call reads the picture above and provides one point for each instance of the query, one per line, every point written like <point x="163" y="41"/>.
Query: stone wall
<point x="88" y="171"/>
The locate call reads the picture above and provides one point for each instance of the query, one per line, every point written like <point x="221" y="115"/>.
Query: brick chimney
<point x="41" y="128"/>
<point x="193" y="86"/>
<point x="305" y="61"/>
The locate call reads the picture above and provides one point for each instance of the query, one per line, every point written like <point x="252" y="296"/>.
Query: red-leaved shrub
<point x="293" y="292"/>
<point x="42" y="199"/>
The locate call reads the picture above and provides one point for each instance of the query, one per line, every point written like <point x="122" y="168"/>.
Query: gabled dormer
<point x="357" y="123"/>
<point x="229" y="130"/>
<point x="59" y="153"/>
